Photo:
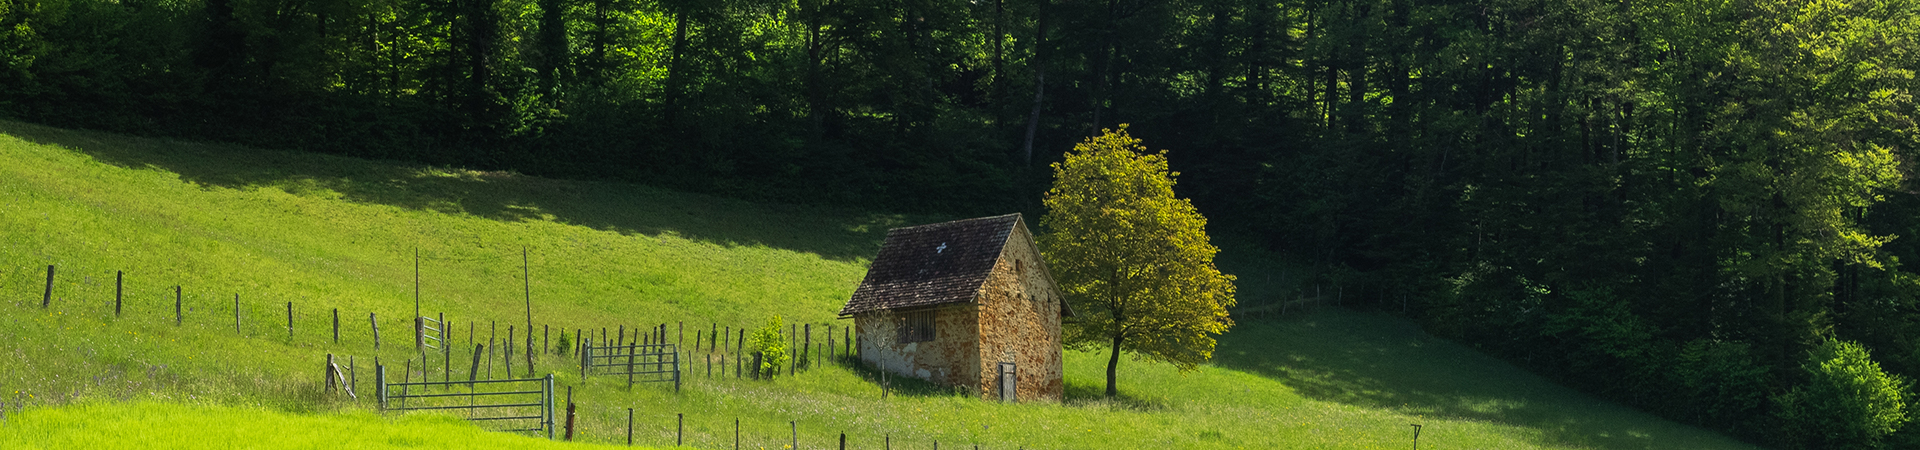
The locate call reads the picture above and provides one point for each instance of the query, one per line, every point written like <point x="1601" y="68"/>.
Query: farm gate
<point x="639" y="362"/>
<point x="521" y="400"/>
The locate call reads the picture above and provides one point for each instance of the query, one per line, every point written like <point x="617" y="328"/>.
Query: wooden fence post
<point x="680" y="429"/>
<point x="569" y="409"/>
<point x="806" y="347"/>
<point x="629" y="427"/>
<point x="336" y="325"/>
<point x="176" y="306"/>
<point x="736" y="434"/>
<point x="375" y="320"/>
<point x="794" y="427"/>
<point x="119" y="278"/>
<point x="289" y="321"/>
<point x="491" y="328"/>
<point x="47" y="299"/>
<point x="843" y="441"/>
<point x="331" y="387"/>
<point x="236" y="314"/>
<point x="506" y="354"/>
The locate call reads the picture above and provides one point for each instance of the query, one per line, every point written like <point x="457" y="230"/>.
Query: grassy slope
<point x="327" y="232"/>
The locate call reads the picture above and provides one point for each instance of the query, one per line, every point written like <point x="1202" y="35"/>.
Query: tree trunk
<point x="1113" y="363"/>
<point x="1039" y="83"/>
<point x="1103" y="63"/>
<point x="676" y="68"/>
<point x="816" y="93"/>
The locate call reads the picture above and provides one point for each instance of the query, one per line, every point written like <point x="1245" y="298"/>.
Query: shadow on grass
<point x="896" y="384"/>
<point x="1384" y="362"/>
<point x="1083" y="395"/>
<point x="619" y="207"/>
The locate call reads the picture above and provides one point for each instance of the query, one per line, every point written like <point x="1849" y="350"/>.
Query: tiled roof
<point x="932" y="264"/>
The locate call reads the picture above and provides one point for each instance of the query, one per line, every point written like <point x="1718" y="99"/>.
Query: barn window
<point x="916" y="327"/>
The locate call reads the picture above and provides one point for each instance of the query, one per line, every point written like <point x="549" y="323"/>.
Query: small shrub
<point x="772" y="347"/>
<point x="1847" y="402"/>
<point x="566" y="343"/>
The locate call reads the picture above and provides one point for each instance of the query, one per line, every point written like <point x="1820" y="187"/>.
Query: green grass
<point x="170" y="425"/>
<point x="326" y="232"/>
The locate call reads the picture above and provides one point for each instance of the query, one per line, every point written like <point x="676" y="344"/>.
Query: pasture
<point x="328" y="233"/>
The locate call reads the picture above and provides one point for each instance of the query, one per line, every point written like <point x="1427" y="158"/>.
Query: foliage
<point x="565" y="344"/>
<point x="1134" y="261"/>
<point x="1719" y="385"/>
<point x="1847" y="402"/>
<point x="769" y="342"/>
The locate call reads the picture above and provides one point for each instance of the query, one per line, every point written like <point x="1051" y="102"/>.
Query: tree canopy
<point x="1134" y="260"/>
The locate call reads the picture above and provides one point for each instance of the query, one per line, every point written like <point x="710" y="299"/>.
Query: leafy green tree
<point x="1848" y="402"/>
<point x="1134" y="260"/>
<point x="772" y="346"/>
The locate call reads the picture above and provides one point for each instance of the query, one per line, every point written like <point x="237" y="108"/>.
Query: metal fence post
<point x="380" y="385"/>
<point x="549" y="407"/>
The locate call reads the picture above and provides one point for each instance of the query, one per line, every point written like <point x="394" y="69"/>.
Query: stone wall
<point x="952" y="358"/>
<point x="1020" y="323"/>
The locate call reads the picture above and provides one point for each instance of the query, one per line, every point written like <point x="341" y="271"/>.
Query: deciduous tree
<point x="1134" y="260"/>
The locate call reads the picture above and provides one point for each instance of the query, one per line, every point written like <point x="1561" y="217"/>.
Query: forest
<point x="1699" y="208"/>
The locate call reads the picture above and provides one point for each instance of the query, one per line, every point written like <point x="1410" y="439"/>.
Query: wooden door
<point x="1009" y="382"/>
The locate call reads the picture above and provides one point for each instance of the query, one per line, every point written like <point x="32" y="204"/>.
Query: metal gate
<point x="520" y="400"/>
<point x="639" y="362"/>
<point x="431" y="339"/>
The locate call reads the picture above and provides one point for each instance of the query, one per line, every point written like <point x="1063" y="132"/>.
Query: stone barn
<point x="964" y="303"/>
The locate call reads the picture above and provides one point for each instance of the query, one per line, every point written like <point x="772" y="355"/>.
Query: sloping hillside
<point x="263" y="229"/>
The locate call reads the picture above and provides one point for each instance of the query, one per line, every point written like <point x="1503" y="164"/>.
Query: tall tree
<point x="1133" y="259"/>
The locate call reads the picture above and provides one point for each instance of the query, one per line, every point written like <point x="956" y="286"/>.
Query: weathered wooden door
<point x="1009" y="382"/>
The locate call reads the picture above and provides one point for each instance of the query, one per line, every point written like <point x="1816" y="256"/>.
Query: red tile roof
<point x="932" y="264"/>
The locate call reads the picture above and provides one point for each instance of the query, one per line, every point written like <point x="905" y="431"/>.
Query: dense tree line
<point x="1693" y="207"/>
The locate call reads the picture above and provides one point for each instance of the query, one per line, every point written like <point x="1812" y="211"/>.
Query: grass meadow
<point x="328" y="233"/>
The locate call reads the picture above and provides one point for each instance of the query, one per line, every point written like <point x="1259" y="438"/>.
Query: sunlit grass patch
<point x="175" y="425"/>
